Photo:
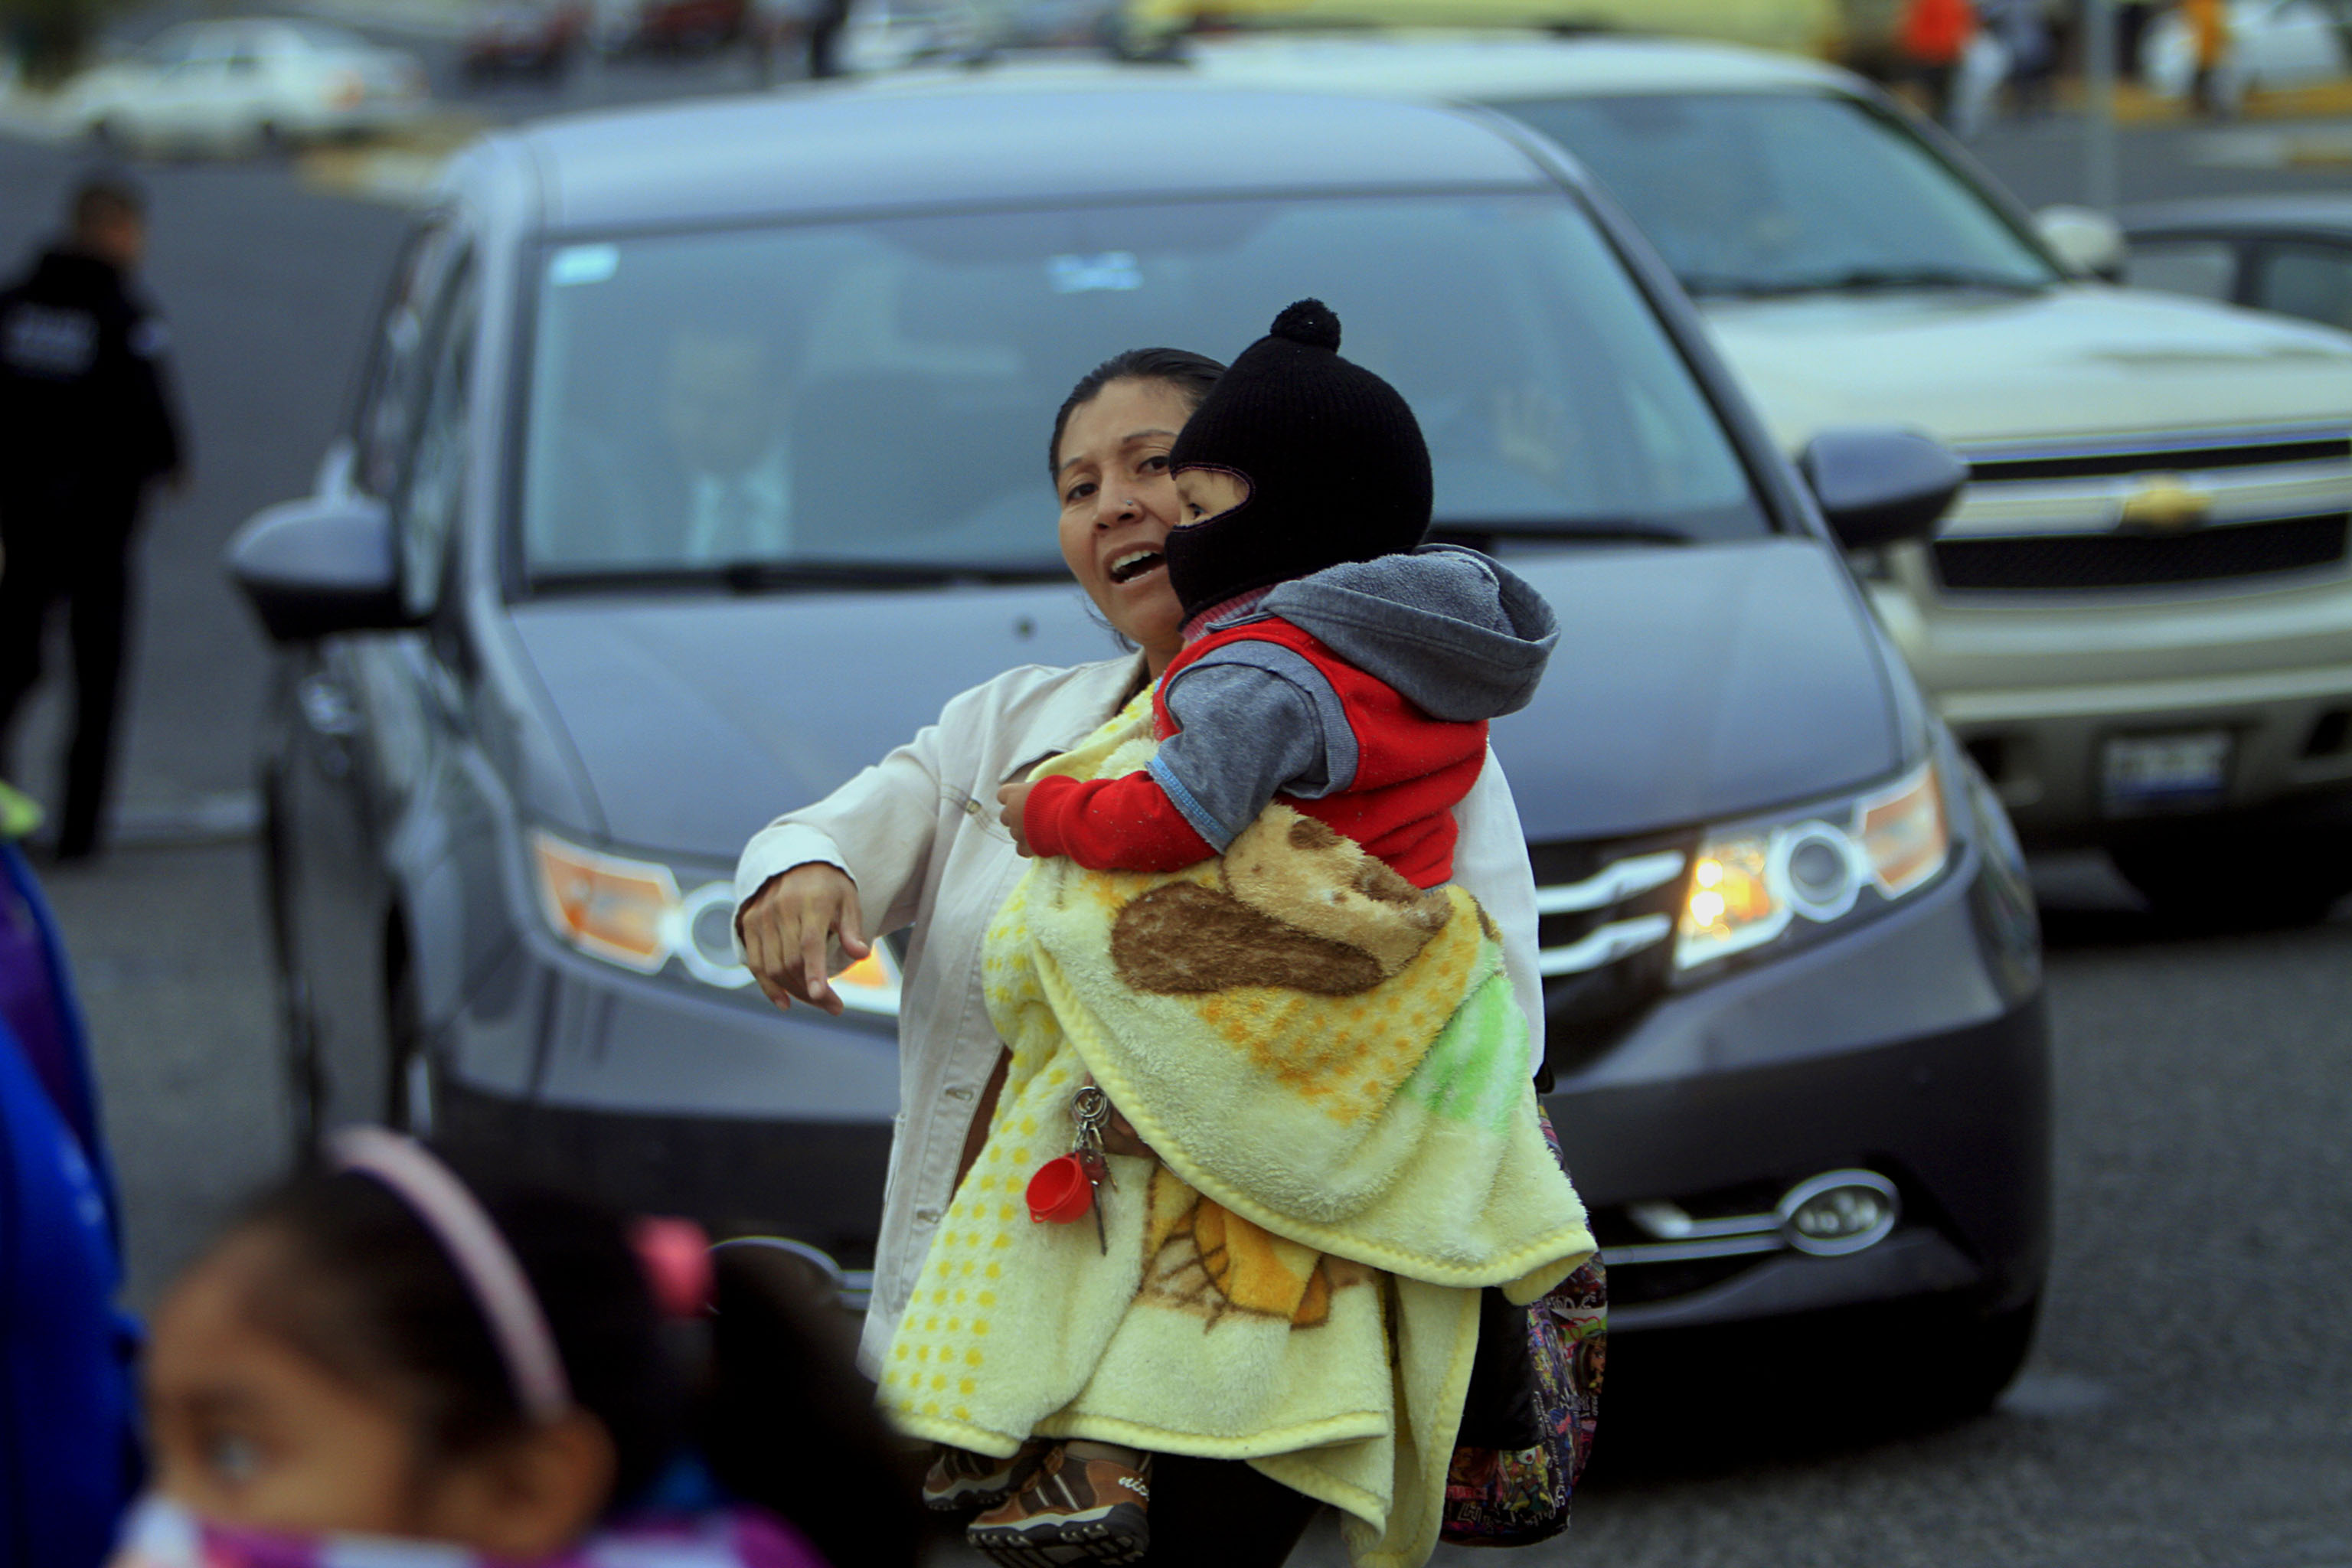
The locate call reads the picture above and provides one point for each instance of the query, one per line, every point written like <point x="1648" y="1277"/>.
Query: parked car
<point x="2140" y="619"/>
<point x="895" y="35"/>
<point x="2286" y="253"/>
<point x="236" y="86"/>
<point x="669" y="27"/>
<point x="1807" y="26"/>
<point x="523" y="725"/>
<point x="534" y="38"/>
<point x="2273" y="44"/>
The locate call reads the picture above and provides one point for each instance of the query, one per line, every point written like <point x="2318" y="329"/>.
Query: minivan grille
<point x="2059" y="560"/>
<point x="2219" y="508"/>
<point x="1607" y="911"/>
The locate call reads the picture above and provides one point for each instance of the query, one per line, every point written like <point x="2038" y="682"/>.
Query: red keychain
<point x="1063" y="1190"/>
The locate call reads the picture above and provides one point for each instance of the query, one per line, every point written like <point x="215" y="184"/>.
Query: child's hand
<point x="1118" y="1134"/>
<point x="1014" y="798"/>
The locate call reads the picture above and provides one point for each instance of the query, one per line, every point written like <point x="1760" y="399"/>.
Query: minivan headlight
<point x="1762" y="881"/>
<point x="630" y="912"/>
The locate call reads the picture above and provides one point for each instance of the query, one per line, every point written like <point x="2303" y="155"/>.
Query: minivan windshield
<point x="871" y="401"/>
<point x="1780" y="192"/>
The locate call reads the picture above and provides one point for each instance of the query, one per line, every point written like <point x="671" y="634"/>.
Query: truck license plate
<point x="2164" y="772"/>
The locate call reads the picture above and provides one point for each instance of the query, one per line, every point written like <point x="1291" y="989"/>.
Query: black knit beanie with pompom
<point x="1336" y="466"/>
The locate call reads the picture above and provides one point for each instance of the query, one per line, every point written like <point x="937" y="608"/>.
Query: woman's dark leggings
<point x="1221" y="1513"/>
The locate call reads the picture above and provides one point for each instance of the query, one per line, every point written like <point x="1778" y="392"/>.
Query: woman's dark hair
<point x="771" y="1401"/>
<point x="1190" y="373"/>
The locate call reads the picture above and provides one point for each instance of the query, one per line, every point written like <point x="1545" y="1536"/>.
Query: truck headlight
<point x="1760" y="882"/>
<point x="631" y="913"/>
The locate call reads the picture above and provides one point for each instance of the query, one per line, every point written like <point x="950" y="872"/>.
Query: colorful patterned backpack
<point x="1516" y="1497"/>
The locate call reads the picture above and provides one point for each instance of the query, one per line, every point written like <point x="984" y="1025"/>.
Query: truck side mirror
<point x="2088" y="242"/>
<point x="314" y="568"/>
<point x="1879" y="485"/>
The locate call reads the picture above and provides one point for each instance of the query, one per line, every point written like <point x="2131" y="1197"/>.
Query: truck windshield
<point x="1788" y="193"/>
<point x="851" y="403"/>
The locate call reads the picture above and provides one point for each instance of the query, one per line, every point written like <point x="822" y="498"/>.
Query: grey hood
<point x="1460" y="634"/>
<point x="1710" y="681"/>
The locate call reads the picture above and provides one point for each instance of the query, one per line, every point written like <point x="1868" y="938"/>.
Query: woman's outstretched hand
<point x="789" y="928"/>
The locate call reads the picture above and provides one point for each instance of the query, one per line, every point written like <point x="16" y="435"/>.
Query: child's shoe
<point x="1074" y="1509"/>
<point x="963" y="1482"/>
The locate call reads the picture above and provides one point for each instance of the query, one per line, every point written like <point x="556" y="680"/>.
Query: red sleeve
<point x="1111" y="824"/>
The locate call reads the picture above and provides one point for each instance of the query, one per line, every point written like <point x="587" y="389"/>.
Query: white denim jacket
<point x="919" y="834"/>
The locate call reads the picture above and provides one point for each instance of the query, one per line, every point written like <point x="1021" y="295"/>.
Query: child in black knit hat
<point x="1329" y="657"/>
<point x="1330" y="660"/>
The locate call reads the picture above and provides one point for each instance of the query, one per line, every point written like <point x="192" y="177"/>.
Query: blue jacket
<point x="68" y="1455"/>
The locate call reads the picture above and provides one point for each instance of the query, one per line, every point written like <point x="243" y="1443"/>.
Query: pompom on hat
<point x="1336" y="466"/>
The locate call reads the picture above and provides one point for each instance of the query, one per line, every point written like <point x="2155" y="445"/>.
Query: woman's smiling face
<point x="1118" y="505"/>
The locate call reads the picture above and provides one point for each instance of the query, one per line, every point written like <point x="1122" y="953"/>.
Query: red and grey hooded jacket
<point x="1358" y="696"/>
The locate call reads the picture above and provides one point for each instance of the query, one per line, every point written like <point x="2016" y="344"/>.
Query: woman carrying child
<point x="1389" y="793"/>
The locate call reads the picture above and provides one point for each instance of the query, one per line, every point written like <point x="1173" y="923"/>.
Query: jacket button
<point x="927" y="1217"/>
<point x="961" y="1092"/>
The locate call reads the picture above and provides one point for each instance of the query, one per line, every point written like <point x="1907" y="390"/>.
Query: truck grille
<point x="2137" y="560"/>
<point x="2228" y="507"/>
<point x="2230" y="451"/>
<point x="1606" y="913"/>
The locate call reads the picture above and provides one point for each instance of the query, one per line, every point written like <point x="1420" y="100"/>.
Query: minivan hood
<point x="2078" y="359"/>
<point x="1695" y="685"/>
<point x="1689" y="685"/>
<point x="698" y="720"/>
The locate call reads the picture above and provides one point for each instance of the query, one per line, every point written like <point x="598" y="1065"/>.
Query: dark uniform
<point x="85" y="424"/>
<point x="824" y="25"/>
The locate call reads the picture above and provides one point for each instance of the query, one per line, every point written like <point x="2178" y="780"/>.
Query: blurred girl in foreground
<point x="375" y="1357"/>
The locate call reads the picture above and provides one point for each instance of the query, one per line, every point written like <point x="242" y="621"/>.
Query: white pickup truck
<point x="2139" y="617"/>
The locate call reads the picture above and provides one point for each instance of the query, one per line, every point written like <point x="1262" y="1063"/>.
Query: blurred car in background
<point x="2286" y="253"/>
<point x="2273" y="45"/>
<point x="239" y="86"/>
<point x="529" y="38"/>
<point x="1804" y="27"/>
<point x="668" y="27"/>
<point x="2140" y="619"/>
<point x="894" y="34"/>
<point x="533" y="700"/>
<point x="1054" y="24"/>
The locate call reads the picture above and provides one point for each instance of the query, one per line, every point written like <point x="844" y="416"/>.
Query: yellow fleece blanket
<point x="1330" y="1067"/>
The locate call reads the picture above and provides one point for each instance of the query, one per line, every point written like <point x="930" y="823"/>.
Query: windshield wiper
<point x="788" y="576"/>
<point x="767" y="576"/>
<point x="1859" y="279"/>
<point x="1590" y="530"/>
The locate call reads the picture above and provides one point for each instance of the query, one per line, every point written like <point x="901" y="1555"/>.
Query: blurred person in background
<point x="776" y="30"/>
<point x="68" y="1458"/>
<point x="826" y="19"/>
<point x="457" y="1375"/>
<point x="1933" y="39"/>
<point x="88" y="424"/>
<point x="2208" y="33"/>
<point x="713" y="484"/>
<point x="723" y="410"/>
<point x="2022" y="30"/>
<point x="2132" y="18"/>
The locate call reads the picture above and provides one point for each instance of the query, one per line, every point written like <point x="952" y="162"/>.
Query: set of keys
<point x="1065" y="1187"/>
<point x="1090" y="1108"/>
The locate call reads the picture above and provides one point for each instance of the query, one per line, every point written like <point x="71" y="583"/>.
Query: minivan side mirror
<point x="2087" y="241"/>
<point x="313" y="568"/>
<point x="1881" y="485"/>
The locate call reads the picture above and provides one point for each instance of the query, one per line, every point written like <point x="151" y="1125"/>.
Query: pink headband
<point x="483" y="1259"/>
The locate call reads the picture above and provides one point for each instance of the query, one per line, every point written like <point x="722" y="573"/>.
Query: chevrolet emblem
<point x="2163" y="504"/>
